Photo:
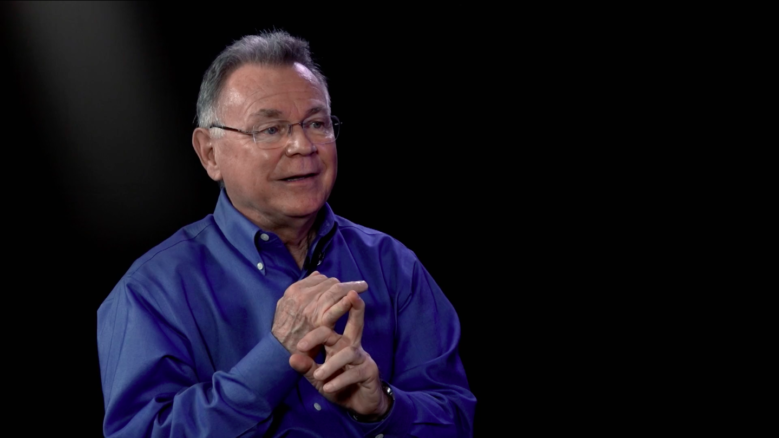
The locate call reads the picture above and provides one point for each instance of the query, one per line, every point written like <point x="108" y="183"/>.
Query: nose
<point x="298" y="143"/>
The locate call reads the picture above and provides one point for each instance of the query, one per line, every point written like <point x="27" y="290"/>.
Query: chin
<point x="304" y="209"/>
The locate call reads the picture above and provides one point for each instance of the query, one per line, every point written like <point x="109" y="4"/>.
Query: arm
<point x="432" y="396"/>
<point x="154" y="385"/>
<point x="153" y="388"/>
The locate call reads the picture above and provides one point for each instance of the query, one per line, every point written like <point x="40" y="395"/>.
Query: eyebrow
<point x="274" y="113"/>
<point x="267" y="113"/>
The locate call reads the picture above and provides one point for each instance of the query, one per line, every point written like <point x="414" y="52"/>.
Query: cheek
<point x="245" y="166"/>
<point x="330" y="156"/>
<point x="267" y="155"/>
<point x="254" y="161"/>
<point x="227" y="158"/>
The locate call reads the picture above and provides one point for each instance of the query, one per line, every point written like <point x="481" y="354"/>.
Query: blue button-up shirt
<point x="186" y="349"/>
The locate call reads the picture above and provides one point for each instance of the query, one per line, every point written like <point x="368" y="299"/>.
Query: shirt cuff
<point x="399" y="421"/>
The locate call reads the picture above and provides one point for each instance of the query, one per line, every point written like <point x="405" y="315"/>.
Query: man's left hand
<point x="349" y="377"/>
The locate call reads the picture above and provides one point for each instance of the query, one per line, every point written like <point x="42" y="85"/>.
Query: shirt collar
<point x="328" y="220"/>
<point x="242" y="233"/>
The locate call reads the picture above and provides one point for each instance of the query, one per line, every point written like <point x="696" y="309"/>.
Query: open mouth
<point x="299" y="177"/>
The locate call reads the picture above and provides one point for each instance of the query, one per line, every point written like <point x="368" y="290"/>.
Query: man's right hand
<point x="312" y="302"/>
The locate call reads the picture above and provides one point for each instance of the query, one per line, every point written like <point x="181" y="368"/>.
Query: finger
<point x="312" y="280"/>
<point x="302" y="363"/>
<point x="356" y="321"/>
<point x="337" y="291"/>
<point x="319" y="336"/>
<point x="336" y="311"/>
<point x="359" y="286"/>
<point x="336" y="362"/>
<point x="305" y="366"/>
<point x="355" y="375"/>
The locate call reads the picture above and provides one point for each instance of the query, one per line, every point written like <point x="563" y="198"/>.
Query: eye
<point x="268" y="131"/>
<point x="317" y="125"/>
<point x="273" y="130"/>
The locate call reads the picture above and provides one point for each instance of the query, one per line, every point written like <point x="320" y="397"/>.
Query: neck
<point x="296" y="235"/>
<point x="298" y="242"/>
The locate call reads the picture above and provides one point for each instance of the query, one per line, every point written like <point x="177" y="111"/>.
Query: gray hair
<point x="275" y="48"/>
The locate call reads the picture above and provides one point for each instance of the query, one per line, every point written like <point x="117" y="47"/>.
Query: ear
<point x="204" y="148"/>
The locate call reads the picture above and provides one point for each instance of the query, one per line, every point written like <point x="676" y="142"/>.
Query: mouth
<point x="299" y="177"/>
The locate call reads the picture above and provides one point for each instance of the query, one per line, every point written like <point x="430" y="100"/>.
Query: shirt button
<point x="264" y="237"/>
<point x="260" y="266"/>
<point x="381" y="435"/>
<point x="317" y="407"/>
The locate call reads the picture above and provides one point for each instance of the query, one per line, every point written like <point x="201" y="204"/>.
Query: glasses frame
<point x="336" y="122"/>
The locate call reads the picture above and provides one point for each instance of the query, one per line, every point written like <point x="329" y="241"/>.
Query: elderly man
<point x="273" y="316"/>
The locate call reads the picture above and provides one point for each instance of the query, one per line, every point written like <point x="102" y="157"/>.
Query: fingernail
<point x="327" y="387"/>
<point x="318" y="373"/>
<point x="302" y="345"/>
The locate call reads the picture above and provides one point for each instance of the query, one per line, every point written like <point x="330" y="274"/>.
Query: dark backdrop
<point x="101" y="99"/>
<point x="524" y="155"/>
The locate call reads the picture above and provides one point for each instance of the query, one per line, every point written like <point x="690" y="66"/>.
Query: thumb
<point x="303" y="364"/>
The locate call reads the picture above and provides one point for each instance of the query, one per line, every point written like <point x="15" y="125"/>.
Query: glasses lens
<point x="321" y="130"/>
<point x="336" y="126"/>
<point x="318" y="130"/>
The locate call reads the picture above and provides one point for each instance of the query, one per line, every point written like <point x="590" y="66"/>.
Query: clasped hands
<point x="304" y="322"/>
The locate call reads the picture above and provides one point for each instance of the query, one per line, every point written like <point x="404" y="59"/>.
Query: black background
<point x="544" y="164"/>
<point x="100" y="168"/>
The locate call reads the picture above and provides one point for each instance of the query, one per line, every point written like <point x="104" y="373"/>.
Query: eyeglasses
<point x="318" y="130"/>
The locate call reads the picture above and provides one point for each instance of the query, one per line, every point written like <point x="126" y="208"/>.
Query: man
<point x="274" y="316"/>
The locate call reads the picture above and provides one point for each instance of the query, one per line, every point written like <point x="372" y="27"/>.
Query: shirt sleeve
<point x="152" y="387"/>
<point x="432" y="396"/>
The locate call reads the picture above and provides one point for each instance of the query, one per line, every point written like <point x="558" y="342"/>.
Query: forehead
<point x="255" y="86"/>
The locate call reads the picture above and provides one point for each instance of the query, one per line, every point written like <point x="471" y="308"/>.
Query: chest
<point x="232" y="307"/>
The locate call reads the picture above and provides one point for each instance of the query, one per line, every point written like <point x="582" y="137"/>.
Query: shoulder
<point x="404" y="275"/>
<point x="379" y="251"/>
<point x="369" y="238"/>
<point x="182" y="246"/>
<point x="167" y="263"/>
